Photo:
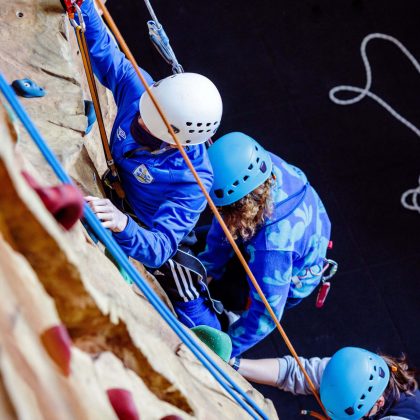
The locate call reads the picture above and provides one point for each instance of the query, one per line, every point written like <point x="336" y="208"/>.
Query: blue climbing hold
<point x="28" y="88"/>
<point x="90" y="114"/>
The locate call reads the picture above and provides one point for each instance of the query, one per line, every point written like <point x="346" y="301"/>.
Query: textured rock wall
<point x="49" y="277"/>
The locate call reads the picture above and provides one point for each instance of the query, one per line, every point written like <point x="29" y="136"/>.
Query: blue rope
<point x="106" y="238"/>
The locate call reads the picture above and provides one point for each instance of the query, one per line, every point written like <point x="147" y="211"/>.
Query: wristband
<point x="236" y="363"/>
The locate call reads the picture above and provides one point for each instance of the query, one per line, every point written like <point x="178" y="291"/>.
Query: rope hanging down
<point x="161" y="41"/>
<point x="130" y="57"/>
<point x="362" y="93"/>
<point x="106" y="238"/>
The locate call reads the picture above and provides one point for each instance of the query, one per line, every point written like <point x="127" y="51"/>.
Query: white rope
<point x="362" y="93"/>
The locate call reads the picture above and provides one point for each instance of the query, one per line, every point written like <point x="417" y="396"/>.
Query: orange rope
<point x="84" y="52"/>
<point x="130" y="57"/>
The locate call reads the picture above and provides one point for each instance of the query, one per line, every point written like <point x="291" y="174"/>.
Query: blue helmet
<point x="352" y="382"/>
<point x="240" y="165"/>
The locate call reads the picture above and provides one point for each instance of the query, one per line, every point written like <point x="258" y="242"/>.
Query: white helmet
<point x="191" y="103"/>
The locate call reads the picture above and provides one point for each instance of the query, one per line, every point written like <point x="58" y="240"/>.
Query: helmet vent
<point x="370" y="389"/>
<point x="191" y="131"/>
<point x="218" y="193"/>
<point x="363" y="397"/>
<point x="359" y="406"/>
<point x="215" y="122"/>
<point x="263" y="167"/>
<point x="381" y="373"/>
<point x="208" y="131"/>
<point x="250" y="166"/>
<point x="176" y="129"/>
<point x="374" y="367"/>
<point x="208" y="124"/>
<point x="188" y="141"/>
<point x="189" y="123"/>
<point x="256" y="148"/>
<point x="349" y="411"/>
<point x="245" y="177"/>
<point x="258" y="159"/>
<point x="230" y="192"/>
<point x="236" y="183"/>
<point x="200" y="131"/>
<point x="371" y="378"/>
<point x="199" y="124"/>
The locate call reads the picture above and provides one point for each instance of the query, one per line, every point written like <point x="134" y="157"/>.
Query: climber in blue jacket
<point x="159" y="186"/>
<point x="270" y="208"/>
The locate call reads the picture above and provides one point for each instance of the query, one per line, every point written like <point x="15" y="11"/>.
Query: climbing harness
<point x="111" y="176"/>
<point x="235" y="247"/>
<point x="161" y="41"/>
<point x="363" y="92"/>
<point x="106" y="238"/>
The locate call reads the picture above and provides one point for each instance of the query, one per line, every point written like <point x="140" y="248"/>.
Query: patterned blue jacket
<point x="293" y="240"/>
<point x="158" y="185"/>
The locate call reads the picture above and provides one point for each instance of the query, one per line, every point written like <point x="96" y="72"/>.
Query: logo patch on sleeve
<point x="142" y="174"/>
<point x="121" y="133"/>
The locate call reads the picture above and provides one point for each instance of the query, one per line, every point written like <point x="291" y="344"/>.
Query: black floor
<point x="274" y="63"/>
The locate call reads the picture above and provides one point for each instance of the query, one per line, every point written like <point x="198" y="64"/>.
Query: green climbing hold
<point x="216" y="340"/>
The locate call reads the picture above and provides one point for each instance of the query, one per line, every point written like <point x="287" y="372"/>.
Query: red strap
<point x="330" y="245"/>
<point x="322" y="294"/>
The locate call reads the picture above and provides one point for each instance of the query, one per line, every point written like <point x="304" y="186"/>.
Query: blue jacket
<point x="159" y="186"/>
<point x="293" y="240"/>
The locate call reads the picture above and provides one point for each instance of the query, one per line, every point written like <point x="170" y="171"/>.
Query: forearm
<point x="291" y="377"/>
<point x="152" y="248"/>
<point x="261" y="371"/>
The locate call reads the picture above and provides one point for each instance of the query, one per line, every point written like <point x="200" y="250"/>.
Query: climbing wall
<point x="76" y="341"/>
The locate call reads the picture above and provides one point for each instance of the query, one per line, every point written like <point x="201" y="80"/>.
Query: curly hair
<point x="402" y="378"/>
<point x="245" y="215"/>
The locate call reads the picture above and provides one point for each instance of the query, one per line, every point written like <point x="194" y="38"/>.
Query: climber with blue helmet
<point x="161" y="193"/>
<point x="354" y="384"/>
<point x="279" y="220"/>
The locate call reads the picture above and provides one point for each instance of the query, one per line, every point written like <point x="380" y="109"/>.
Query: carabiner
<point x="81" y="23"/>
<point x="333" y="266"/>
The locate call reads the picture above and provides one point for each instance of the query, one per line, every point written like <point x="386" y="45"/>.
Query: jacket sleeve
<point x="110" y="65"/>
<point x="217" y="252"/>
<point x="272" y="269"/>
<point x="175" y="218"/>
<point x="291" y="378"/>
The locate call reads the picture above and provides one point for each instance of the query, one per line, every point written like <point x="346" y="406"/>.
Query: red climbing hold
<point x="123" y="404"/>
<point x="65" y="202"/>
<point x="172" y="417"/>
<point x="57" y="343"/>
